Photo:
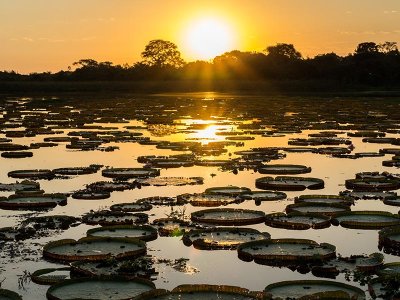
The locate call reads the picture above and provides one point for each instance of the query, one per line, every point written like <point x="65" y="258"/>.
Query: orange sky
<point x="49" y="35"/>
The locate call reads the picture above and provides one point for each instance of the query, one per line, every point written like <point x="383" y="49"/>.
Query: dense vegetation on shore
<point x="371" y="64"/>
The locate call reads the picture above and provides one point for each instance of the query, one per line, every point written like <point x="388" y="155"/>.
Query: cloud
<point x="390" y="12"/>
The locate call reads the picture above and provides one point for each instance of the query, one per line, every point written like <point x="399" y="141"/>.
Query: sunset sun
<point x="207" y="38"/>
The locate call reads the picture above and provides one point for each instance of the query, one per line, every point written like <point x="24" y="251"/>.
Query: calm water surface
<point x="169" y="118"/>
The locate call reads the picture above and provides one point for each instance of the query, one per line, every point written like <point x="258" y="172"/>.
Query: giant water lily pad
<point x="372" y="184"/>
<point x="322" y="289"/>
<point x="228" y="216"/>
<point x="91" y="195"/>
<point x="77" y="170"/>
<point x="33" y="201"/>
<point x="51" y="275"/>
<point x="17" y="154"/>
<point x="366" y="219"/>
<point x="354" y="263"/>
<point x="9" y="295"/>
<point x="173" y="226"/>
<point x="158" y="201"/>
<point x="328" y="199"/>
<point x="36" y="174"/>
<point x="25" y="185"/>
<point x="222" y="238"/>
<point x="285" y="251"/>
<point x="112" y="288"/>
<point x="283" y="169"/>
<point x="366" y="195"/>
<point x="94" y="249"/>
<point x="317" y="208"/>
<point x="144" y="233"/>
<point x="383" y="288"/>
<point x="202" y="291"/>
<point x="259" y="196"/>
<point x="174" y="181"/>
<point x="129" y="172"/>
<point x="389" y="239"/>
<point x="393" y="201"/>
<point x="107" y="218"/>
<point x="297" y="221"/>
<point x="227" y="190"/>
<point x="131" y="207"/>
<point x="142" y="267"/>
<point x="204" y="199"/>
<point x="287" y="183"/>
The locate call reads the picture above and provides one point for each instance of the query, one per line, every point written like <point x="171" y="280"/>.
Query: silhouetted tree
<point x="366" y="48"/>
<point x="160" y="53"/>
<point x="388" y="48"/>
<point x="282" y="50"/>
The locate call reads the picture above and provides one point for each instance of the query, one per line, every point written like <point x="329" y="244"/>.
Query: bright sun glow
<point x="208" y="38"/>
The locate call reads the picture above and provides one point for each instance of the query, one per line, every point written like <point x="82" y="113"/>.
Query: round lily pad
<point x="372" y="184"/>
<point x="129" y="172"/>
<point x="321" y="289"/>
<point x="283" y="169"/>
<point x="144" y="233"/>
<point x="25" y="185"/>
<point x="259" y="196"/>
<point x="77" y="170"/>
<point x="94" y="249"/>
<point x="108" y="218"/>
<point x="202" y="291"/>
<point x="26" y="174"/>
<point x="228" y="216"/>
<point x="9" y="295"/>
<point x="91" y="195"/>
<point x="354" y="263"/>
<point x="131" y="207"/>
<point x="111" y="186"/>
<point x="51" y="275"/>
<point x="172" y="226"/>
<point x="285" y="251"/>
<point x="287" y="183"/>
<point x="158" y="201"/>
<point x="367" y="194"/>
<point x="222" y="238"/>
<point x="366" y="219"/>
<point x="102" y="288"/>
<point x="383" y="288"/>
<point x="208" y="200"/>
<point x="297" y="221"/>
<point x="389" y="239"/>
<point x="174" y="181"/>
<point x="142" y="267"/>
<point x="390" y="270"/>
<point x="33" y="201"/>
<point x="227" y="190"/>
<point x="394" y="201"/>
<point x="328" y="199"/>
<point x="317" y="208"/>
<point x="17" y="154"/>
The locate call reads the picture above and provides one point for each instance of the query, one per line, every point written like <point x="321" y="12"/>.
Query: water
<point x="174" y="118"/>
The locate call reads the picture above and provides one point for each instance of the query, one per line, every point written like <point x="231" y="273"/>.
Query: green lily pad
<point x="144" y="232"/>
<point x="94" y="249"/>
<point x="228" y="216"/>
<point x="222" y="238"/>
<point x="286" y="251"/>
<point x="300" y="288"/>
<point x="103" y="288"/>
<point x="366" y="219"/>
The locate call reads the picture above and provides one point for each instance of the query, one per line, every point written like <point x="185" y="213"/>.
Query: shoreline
<point x="247" y="87"/>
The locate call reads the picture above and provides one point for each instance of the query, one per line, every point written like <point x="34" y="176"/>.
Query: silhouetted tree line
<point x="370" y="63"/>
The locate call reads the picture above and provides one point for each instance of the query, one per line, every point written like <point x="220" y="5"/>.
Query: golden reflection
<point x="209" y="133"/>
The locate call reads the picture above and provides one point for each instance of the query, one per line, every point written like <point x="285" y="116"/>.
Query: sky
<point x="49" y="35"/>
